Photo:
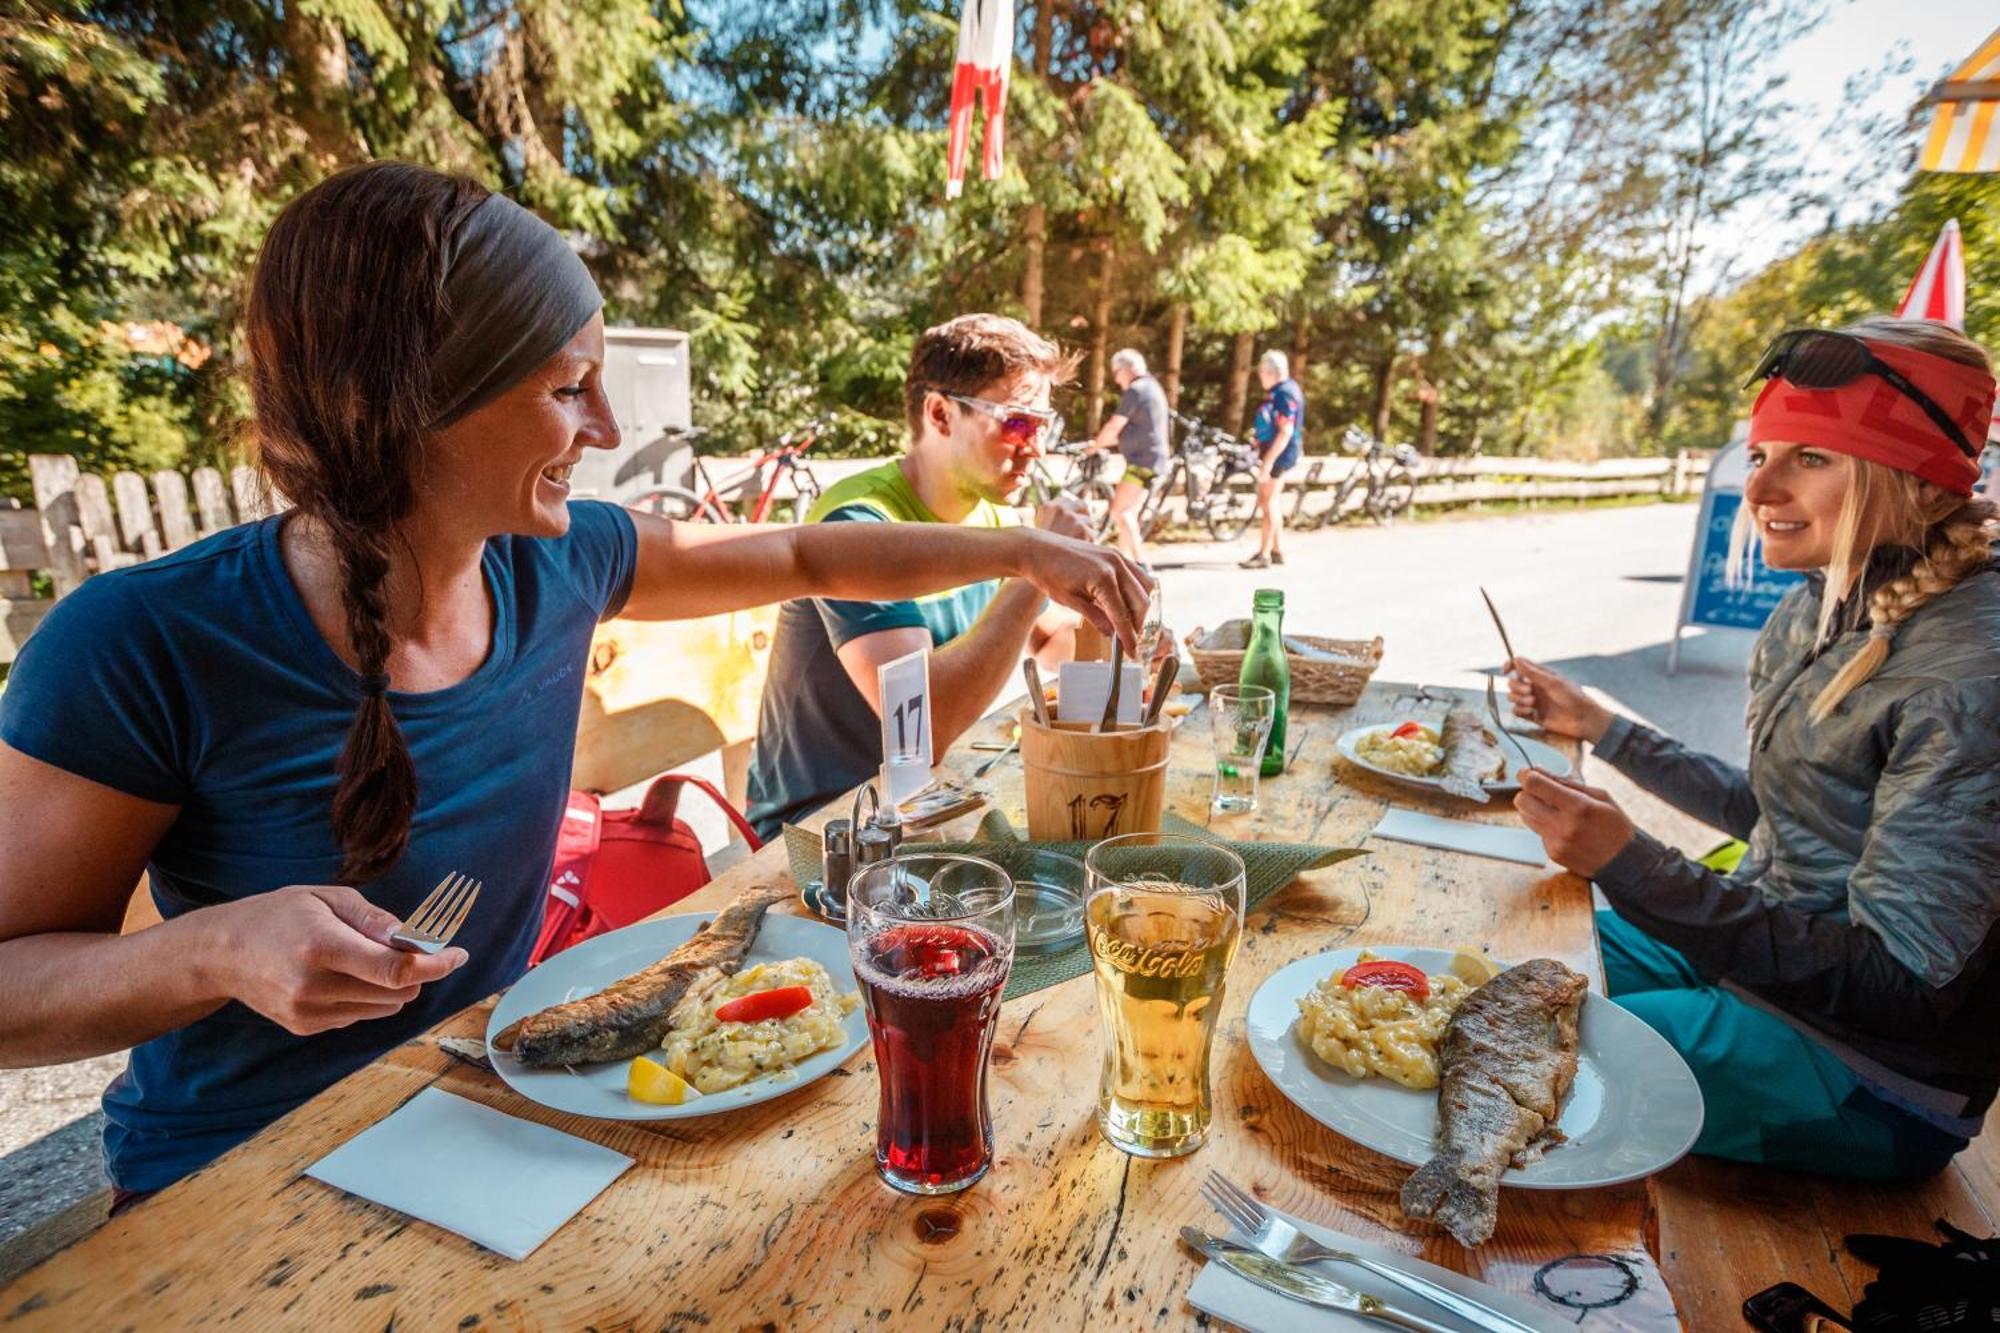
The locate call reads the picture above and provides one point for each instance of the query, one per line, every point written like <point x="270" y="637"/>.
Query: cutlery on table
<point x="1304" y="736"/>
<point x="1272" y="1234"/>
<point x="1037" y="700"/>
<point x="1110" y="718"/>
<point x="1005" y="750"/>
<point x="1301" y="1284"/>
<point x="1493" y="711"/>
<point x="438" y="916"/>
<point x="1170" y="667"/>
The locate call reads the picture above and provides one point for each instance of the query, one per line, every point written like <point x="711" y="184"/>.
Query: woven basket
<point x="1218" y="659"/>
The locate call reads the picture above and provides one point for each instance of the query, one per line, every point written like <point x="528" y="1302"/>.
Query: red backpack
<point x="614" y="867"/>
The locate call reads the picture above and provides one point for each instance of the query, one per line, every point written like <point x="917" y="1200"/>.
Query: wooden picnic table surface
<point x="773" y="1216"/>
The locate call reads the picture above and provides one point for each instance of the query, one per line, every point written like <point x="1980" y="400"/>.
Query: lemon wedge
<point x="651" y="1081"/>
<point x="1475" y="969"/>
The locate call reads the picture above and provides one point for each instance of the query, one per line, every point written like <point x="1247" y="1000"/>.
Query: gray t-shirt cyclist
<point x="1143" y="441"/>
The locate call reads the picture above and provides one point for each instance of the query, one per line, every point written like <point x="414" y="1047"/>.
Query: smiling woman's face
<point x="1795" y="492"/>
<point x="505" y="468"/>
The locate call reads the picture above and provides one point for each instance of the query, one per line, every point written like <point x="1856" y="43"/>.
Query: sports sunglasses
<point x="1018" y="425"/>
<point x="1824" y="359"/>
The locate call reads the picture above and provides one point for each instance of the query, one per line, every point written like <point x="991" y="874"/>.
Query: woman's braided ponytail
<point x="1957" y="545"/>
<point x="347" y="311"/>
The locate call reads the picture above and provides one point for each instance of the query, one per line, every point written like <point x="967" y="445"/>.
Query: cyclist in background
<point x="1279" y="429"/>
<point x="1139" y="431"/>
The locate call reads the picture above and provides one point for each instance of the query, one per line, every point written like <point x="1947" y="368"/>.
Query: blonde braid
<point x="1959" y="544"/>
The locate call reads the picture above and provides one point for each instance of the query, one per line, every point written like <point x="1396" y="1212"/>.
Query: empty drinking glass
<point x="1241" y="717"/>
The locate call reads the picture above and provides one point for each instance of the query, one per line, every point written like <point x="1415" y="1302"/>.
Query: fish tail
<point x="1440" y="1191"/>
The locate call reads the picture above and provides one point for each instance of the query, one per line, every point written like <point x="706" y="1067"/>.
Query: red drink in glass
<point x="932" y="992"/>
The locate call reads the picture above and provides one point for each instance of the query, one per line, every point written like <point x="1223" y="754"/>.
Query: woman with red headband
<point x="1836" y="994"/>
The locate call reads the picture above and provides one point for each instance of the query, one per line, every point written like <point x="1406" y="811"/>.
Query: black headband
<point x="516" y="293"/>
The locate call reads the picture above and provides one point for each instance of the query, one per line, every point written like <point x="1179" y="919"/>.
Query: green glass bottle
<point x="1264" y="664"/>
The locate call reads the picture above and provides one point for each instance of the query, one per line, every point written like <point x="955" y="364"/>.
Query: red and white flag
<point x="1938" y="290"/>
<point x="985" y="55"/>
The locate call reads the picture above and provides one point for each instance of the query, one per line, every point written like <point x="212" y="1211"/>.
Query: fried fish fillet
<point x="631" y="1016"/>
<point x="1509" y="1057"/>
<point x="1471" y="755"/>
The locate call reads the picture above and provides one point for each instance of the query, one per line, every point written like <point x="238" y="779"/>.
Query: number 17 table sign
<point x="903" y="688"/>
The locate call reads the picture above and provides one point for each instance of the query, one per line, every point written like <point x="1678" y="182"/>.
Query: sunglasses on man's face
<point x="1019" y="426"/>
<point x="1823" y="359"/>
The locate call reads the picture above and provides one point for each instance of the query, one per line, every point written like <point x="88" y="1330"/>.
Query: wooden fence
<point x="1441" y="482"/>
<point x="83" y="523"/>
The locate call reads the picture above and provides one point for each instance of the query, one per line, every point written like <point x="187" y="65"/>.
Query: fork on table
<point x="1271" y="1233"/>
<point x="438" y="916"/>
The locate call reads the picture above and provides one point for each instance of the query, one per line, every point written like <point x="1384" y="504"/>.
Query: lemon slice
<point x="651" y="1081"/>
<point x="1475" y="969"/>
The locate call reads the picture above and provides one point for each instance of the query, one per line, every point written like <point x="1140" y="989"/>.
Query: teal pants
<point x="1772" y="1094"/>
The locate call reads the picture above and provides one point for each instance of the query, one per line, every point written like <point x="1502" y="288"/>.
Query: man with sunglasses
<point x="977" y="398"/>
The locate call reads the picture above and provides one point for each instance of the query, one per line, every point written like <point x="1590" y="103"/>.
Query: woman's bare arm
<point x="308" y="957"/>
<point x="697" y="569"/>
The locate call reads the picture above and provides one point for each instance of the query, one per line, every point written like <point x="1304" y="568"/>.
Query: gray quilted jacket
<point x="1865" y="910"/>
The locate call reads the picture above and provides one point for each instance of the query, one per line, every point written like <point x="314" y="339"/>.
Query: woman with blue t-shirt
<point x="1279" y="429"/>
<point x="298" y="727"/>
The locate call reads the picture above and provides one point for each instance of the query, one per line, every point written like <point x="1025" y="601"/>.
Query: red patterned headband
<point x="1870" y="418"/>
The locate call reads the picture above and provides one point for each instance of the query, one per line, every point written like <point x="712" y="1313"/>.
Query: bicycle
<point x="1218" y="474"/>
<point x="1085" y="484"/>
<point x="1390" y="483"/>
<point x="709" y="506"/>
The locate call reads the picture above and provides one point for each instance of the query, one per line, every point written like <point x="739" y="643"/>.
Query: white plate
<point x="1633" y="1110"/>
<point x="599" y="1090"/>
<point x="1544" y="755"/>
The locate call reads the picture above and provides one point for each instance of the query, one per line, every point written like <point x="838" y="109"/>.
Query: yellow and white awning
<point x="1963" y="136"/>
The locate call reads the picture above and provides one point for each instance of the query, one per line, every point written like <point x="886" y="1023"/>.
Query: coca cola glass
<point x="932" y="939"/>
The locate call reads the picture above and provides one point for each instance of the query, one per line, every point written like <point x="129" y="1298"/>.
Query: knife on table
<point x="1299" y="1284"/>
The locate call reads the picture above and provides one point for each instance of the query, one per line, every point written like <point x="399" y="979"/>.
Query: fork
<point x="1493" y="711"/>
<point x="438" y="916"/>
<point x="1272" y="1234"/>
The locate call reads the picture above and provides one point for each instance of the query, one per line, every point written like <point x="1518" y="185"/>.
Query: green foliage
<point x="1473" y="203"/>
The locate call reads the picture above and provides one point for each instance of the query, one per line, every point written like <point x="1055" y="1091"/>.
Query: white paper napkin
<point x="493" y="1178"/>
<point x="1224" y="1295"/>
<point x="1457" y="835"/>
<point x="1083" y="687"/>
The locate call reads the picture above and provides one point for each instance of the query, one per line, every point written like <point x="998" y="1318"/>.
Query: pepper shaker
<point x="836" y="864"/>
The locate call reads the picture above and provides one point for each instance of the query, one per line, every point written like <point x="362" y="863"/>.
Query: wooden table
<point x="774" y="1218"/>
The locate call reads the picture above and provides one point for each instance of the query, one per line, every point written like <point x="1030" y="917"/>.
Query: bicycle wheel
<point x="1395" y="495"/>
<point x="1152" y="514"/>
<point x="1232" y="503"/>
<point x="1301" y="520"/>
<point x="1344" y="499"/>
<point x="674" y="502"/>
<point x="808" y="488"/>
<point x="1095" y="497"/>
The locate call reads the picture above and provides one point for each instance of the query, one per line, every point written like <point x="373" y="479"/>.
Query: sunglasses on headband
<point x="1019" y="426"/>
<point x="1823" y="359"/>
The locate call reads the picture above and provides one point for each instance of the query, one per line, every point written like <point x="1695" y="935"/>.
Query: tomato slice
<point x="1389" y="975"/>
<point x="760" y="1005"/>
<point x="1407" y="729"/>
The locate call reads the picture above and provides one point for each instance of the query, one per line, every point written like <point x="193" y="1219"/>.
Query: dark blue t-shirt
<point x="200" y="680"/>
<point x="1285" y="402"/>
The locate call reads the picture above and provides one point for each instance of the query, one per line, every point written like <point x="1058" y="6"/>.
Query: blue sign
<point x="1711" y="599"/>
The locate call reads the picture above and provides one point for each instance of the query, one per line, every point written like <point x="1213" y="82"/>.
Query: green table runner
<point x="1267" y="866"/>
